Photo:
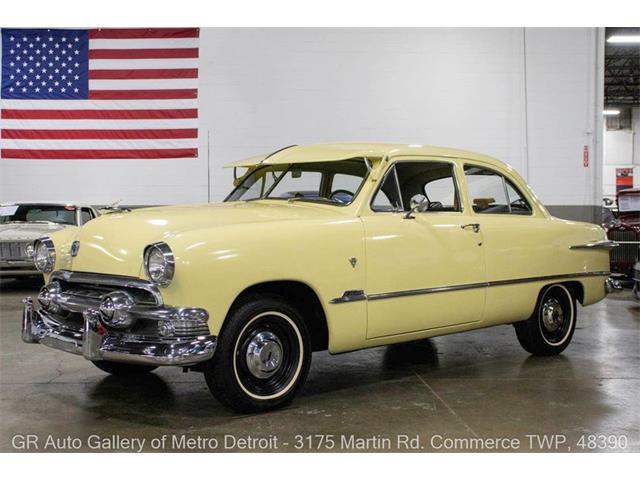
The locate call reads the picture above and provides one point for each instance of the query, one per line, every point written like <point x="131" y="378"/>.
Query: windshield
<point x="327" y="182"/>
<point x="65" y="215"/>
<point x="629" y="202"/>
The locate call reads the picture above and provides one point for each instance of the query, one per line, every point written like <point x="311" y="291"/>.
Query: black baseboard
<point x="582" y="213"/>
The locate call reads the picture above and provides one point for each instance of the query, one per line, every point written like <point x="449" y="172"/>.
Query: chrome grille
<point x="625" y="252"/>
<point x="13" y="250"/>
<point x="183" y="329"/>
<point x="92" y="287"/>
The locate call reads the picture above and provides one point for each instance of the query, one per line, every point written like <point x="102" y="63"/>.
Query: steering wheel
<point x="520" y="203"/>
<point x="342" y="196"/>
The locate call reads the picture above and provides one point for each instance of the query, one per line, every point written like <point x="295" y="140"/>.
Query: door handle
<point x="475" y="226"/>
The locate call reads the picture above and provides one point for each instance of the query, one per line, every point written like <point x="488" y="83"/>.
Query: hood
<point x="11" y="232"/>
<point x="114" y="243"/>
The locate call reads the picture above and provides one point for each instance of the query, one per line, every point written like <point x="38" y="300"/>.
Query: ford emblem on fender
<point x="75" y="246"/>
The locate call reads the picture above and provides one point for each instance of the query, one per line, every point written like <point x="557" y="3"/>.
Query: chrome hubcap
<point x="552" y="315"/>
<point x="264" y="354"/>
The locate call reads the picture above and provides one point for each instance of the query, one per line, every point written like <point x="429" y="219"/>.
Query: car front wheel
<point x="550" y="329"/>
<point x="262" y="358"/>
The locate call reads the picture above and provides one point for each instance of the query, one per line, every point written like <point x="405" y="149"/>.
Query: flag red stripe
<point x="99" y="134"/>
<point x="129" y="53"/>
<point x="143" y="74"/>
<point x="98" y="114"/>
<point x="143" y="33"/>
<point x="142" y="94"/>
<point x="99" y="154"/>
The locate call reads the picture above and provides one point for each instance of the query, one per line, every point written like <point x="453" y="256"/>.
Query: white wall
<point x="528" y="98"/>
<point x="622" y="150"/>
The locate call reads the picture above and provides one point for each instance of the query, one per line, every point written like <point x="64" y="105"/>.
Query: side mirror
<point x="418" y="203"/>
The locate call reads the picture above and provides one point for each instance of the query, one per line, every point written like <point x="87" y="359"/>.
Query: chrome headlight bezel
<point x="164" y="265"/>
<point x="44" y="256"/>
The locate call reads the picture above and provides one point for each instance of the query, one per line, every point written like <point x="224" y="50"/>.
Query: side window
<point x="85" y="215"/>
<point x="387" y="198"/>
<point x="490" y="192"/>
<point x="434" y="180"/>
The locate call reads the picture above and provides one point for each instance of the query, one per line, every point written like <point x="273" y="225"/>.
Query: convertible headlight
<point x="45" y="255"/>
<point x="159" y="264"/>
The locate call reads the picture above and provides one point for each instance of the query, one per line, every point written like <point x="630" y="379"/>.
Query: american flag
<point x="99" y="94"/>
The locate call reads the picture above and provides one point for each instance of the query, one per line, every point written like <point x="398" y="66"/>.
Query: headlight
<point x="45" y="255"/>
<point x="159" y="264"/>
<point x="29" y="250"/>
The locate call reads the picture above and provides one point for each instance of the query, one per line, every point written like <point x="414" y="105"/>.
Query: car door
<point x="427" y="271"/>
<point x="519" y="243"/>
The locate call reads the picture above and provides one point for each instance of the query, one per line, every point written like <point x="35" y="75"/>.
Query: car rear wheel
<point x="550" y="329"/>
<point x="123" y="369"/>
<point x="262" y="358"/>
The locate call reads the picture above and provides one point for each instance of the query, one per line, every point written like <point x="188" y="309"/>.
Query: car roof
<point x="74" y="204"/>
<point x="343" y="151"/>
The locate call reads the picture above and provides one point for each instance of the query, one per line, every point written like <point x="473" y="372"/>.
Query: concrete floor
<point x="478" y="385"/>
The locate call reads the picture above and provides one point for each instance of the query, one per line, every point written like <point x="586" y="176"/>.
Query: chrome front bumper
<point x="94" y="342"/>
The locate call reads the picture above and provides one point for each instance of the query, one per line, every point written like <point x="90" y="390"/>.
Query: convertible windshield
<point x="65" y="215"/>
<point x="328" y="182"/>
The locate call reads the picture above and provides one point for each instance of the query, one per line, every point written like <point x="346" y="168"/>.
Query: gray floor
<point x="477" y="385"/>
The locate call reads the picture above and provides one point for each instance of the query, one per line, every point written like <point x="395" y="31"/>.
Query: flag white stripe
<point x="168" y="84"/>
<point x="126" y="43"/>
<point x="100" y="144"/>
<point x="141" y="63"/>
<point x="98" y="124"/>
<point x="99" y="104"/>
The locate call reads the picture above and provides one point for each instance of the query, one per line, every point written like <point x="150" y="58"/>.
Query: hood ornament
<point x="75" y="246"/>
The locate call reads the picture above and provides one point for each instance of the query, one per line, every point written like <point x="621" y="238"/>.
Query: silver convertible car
<point x="21" y="224"/>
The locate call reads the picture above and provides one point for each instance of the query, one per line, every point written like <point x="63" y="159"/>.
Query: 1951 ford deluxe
<point x="337" y="247"/>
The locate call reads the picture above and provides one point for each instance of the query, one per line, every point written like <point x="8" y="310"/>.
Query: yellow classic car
<point x="323" y="247"/>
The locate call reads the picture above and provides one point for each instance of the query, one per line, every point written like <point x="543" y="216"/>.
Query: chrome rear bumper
<point x="94" y="342"/>
<point x="612" y="285"/>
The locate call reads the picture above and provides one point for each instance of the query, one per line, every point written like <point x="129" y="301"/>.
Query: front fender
<point x="213" y="266"/>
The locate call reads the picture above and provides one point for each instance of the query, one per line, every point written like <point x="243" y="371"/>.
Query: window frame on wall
<point x="506" y="181"/>
<point x="392" y="169"/>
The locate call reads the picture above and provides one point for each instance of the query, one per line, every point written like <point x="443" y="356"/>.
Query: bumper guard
<point x="95" y="343"/>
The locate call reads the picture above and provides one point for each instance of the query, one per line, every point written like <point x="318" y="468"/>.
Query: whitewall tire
<point x="262" y="358"/>
<point x="550" y="329"/>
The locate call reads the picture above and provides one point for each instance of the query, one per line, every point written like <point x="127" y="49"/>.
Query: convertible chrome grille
<point x="14" y="250"/>
<point x="625" y="252"/>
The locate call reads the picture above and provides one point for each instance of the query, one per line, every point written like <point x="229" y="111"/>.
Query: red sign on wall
<point x="624" y="178"/>
<point x="585" y="156"/>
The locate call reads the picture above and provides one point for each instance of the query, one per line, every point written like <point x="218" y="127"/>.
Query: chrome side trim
<point x="349" y="297"/>
<point x="119" y="281"/>
<point x="604" y="244"/>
